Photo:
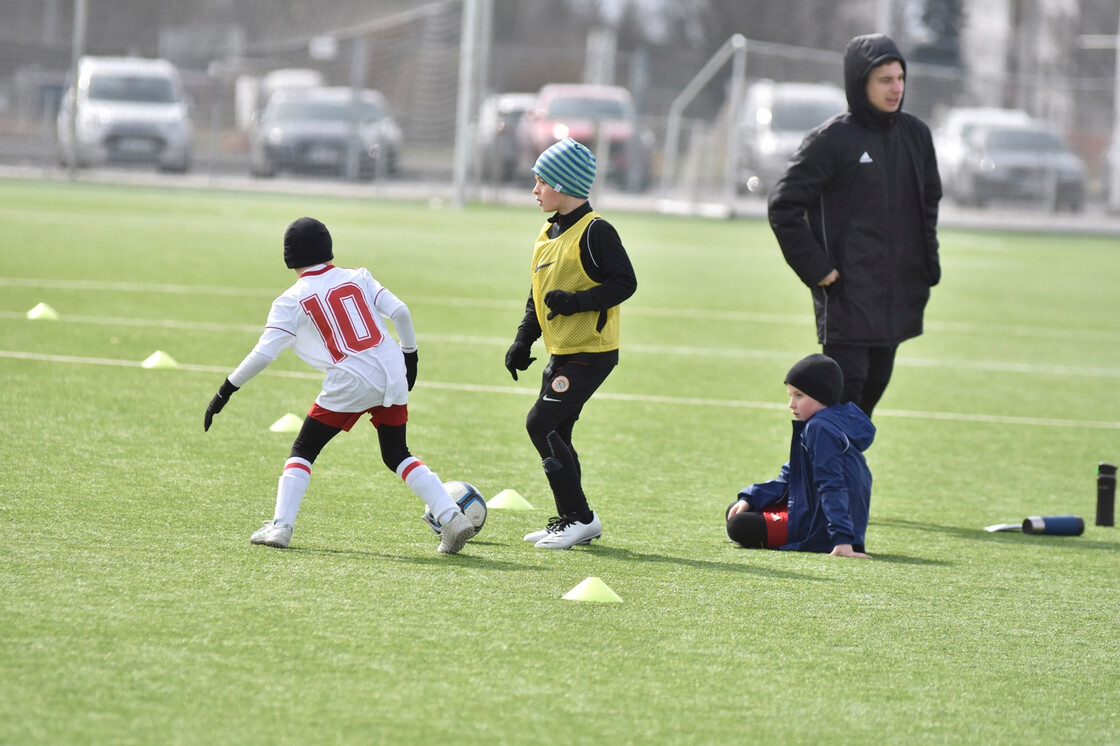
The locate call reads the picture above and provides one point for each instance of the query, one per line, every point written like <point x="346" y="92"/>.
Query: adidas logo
<point x="865" y="158"/>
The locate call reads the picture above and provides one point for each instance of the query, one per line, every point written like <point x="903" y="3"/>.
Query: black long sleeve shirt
<point x="605" y="260"/>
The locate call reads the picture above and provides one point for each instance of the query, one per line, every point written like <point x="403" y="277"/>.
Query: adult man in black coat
<point x="856" y="217"/>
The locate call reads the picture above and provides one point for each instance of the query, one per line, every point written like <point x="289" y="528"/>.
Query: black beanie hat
<point x="307" y="242"/>
<point x="819" y="376"/>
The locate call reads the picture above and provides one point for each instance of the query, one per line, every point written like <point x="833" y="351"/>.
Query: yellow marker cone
<point x="43" y="312"/>
<point x="289" y="423"/>
<point x="508" y="500"/>
<point x="593" y="589"/>
<point x="159" y="359"/>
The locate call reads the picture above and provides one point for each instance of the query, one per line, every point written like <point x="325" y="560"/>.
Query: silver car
<point x="776" y="118"/>
<point x="1020" y="163"/>
<point x="320" y="130"/>
<point x="954" y="130"/>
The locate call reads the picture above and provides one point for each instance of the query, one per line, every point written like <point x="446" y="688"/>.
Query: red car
<point x="595" y="115"/>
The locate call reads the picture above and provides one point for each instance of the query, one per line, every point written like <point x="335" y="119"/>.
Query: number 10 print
<point x="345" y="321"/>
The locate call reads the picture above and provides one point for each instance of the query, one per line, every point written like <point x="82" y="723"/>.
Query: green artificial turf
<point x="133" y="609"/>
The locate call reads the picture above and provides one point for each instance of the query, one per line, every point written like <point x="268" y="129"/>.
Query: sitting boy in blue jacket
<point x="820" y="500"/>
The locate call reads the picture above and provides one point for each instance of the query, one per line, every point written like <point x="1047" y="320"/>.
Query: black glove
<point x="517" y="357"/>
<point x="410" y="359"/>
<point x="218" y="402"/>
<point x="561" y="302"/>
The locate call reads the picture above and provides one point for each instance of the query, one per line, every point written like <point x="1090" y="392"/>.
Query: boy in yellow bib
<point x="580" y="274"/>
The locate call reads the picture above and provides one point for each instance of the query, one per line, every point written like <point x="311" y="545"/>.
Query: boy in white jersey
<point x="333" y="318"/>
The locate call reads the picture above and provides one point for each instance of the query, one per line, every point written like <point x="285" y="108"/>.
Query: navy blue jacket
<point x="826" y="482"/>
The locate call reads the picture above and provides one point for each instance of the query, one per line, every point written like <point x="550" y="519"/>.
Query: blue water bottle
<point x="1054" y="525"/>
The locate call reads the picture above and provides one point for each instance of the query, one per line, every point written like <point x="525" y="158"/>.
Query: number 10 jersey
<point x="333" y="318"/>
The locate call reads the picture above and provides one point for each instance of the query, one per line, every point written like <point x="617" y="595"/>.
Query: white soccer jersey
<point x="333" y="318"/>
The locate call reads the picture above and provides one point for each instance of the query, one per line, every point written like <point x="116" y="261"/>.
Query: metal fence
<point x="411" y="53"/>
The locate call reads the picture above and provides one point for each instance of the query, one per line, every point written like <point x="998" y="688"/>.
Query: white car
<point x="127" y="110"/>
<point x="496" y="141"/>
<point x="954" y="133"/>
<point x="776" y="118"/>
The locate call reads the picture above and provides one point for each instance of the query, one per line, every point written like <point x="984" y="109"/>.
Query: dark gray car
<point x="319" y="130"/>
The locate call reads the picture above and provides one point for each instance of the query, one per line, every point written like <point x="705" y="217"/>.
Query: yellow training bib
<point x="557" y="266"/>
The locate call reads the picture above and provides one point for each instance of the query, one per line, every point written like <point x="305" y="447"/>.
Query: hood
<point x="851" y="420"/>
<point x="864" y="54"/>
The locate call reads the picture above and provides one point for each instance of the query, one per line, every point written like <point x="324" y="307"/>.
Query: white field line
<point x="637" y="398"/>
<point x="747" y="317"/>
<point x="664" y="350"/>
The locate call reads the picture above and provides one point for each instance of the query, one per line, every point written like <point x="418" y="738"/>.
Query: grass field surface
<point x="134" y="610"/>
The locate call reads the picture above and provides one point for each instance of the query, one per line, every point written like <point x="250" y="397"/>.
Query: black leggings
<point x="747" y="529"/>
<point x="314" y="435"/>
<point x="565" y="387"/>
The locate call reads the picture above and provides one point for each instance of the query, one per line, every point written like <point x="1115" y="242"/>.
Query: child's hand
<point x="517" y="358"/>
<point x="845" y="550"/>
<point x="740" y="507"/>
<point x="218" y="403"/>
<point x="410" y="360"/>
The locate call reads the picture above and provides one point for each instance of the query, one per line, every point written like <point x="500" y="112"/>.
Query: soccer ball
<point x="470" y="501"/>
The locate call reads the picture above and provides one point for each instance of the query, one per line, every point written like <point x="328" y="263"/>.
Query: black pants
<point x="867" y="371"/>
<point x="566" y="385"/>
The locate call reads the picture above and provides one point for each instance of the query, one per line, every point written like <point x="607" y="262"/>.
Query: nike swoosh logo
<point x="539" y="267"/>
<point x="549" y="398"/>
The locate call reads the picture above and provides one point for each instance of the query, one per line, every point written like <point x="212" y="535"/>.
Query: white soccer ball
<point x="470" y="501"/>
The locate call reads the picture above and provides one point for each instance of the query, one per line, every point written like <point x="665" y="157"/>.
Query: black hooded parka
<point x="860" y="196"/>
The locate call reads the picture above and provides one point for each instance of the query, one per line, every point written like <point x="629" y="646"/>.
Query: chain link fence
<point x="410" y="52"/>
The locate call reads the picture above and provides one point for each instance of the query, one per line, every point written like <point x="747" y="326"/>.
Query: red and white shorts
<point x="396" y="414"/>
<point x="777" y="526"/>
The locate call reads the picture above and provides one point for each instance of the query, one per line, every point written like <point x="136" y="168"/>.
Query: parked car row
<point x="134" y="110"/>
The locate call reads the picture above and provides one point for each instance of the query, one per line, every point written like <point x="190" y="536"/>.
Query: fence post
<point x="676" y="109"/>
<point x="77" y="49"/>
<point x="734" y="110"/>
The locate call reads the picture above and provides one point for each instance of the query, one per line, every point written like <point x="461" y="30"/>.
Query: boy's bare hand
<point x="845" y="550"/>
<point x="739" y="507"/>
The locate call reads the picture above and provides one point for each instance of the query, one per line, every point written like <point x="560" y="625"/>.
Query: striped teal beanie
<point x="568" y="167"/>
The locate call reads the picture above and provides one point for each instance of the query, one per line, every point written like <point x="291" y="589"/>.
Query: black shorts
<point x="569" y="381"/>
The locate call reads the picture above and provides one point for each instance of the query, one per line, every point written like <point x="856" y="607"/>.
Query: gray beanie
<point x="568" y="167"/>
<point x="819" y="376"/>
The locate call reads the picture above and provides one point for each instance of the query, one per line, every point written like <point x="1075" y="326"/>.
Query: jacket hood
<point x="850" y="420"/>
<point x="864" y="54"/>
